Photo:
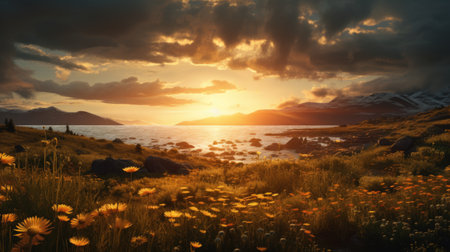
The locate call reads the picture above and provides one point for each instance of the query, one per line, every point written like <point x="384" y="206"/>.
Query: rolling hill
<point x="54" y="116"/>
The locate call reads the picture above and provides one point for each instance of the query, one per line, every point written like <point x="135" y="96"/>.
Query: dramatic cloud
<point x="33" y="53"/>
<point x="400" y="41"/>
<point x="130" y="91"/>
<point x="322" y="92"/>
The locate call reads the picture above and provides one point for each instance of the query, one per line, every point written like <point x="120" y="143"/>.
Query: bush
<point x="10" y="126"/>
<point x="138" y="148"/>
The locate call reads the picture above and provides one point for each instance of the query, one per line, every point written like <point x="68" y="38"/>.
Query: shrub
<point x="10" y="126"/>
<point x="138" y="148"/>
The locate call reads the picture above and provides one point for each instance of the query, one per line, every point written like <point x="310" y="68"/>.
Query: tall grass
<point x="374" y="200"/>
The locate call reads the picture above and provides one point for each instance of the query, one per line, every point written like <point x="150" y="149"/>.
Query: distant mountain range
<point x="53" y="116"/>
<point x="341" y="110"/>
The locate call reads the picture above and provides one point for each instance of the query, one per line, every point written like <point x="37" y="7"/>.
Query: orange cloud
<point x="131" y="91"/>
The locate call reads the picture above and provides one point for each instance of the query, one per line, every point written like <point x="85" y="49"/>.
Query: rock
<point x="173" y="151"/>
<point x="273" y="147"/>
<point x="384" y="142"/>
<point x="184" y="145"/>
<point x="216" y="149"/>
<point x="403" y="144"/>
<point x="210" y="154"/>
<point x="164" y="165"/>
<point x="19" y="148"/>
<point x="228" y="157"/>
<point x="295" y="143"/>
<point x="109" y="166"/>
<point x="227" y="153"/>
<point x="196" y="151"/>
<point x="118" y="140"/>
<point x="255" y="142"/>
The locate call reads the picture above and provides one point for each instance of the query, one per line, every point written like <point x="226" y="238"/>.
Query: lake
<point x="201" y="137"/>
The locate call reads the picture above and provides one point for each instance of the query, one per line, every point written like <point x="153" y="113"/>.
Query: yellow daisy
<point x="173" y="214"/>
<point x="146" y="191"/>
<point x="81" y="221"/>
<point x="7" y="159"/>
<point x="131" y="169"/>
<point x="112" y="208"/>
<point x="6" y="188"/>
<point x="193" y="208"/>
<point x="79" y="241"/>
<point x="138" y="240"/>
<point x="62" y="208"/>
<point x="195" y="244"/>
<point x="63" y="218"/>
<point x="9" y="217"/>
<point x="120" y="224"/>
<point x="33" y="226"/>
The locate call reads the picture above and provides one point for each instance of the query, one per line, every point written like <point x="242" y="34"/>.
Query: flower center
<point x="33" y="230"/>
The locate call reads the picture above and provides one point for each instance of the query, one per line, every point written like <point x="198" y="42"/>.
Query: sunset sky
<point x="162" y="62"/>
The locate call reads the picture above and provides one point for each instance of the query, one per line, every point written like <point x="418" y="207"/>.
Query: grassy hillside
<point x="370" y="201"/>
<point x="81" y="149"/>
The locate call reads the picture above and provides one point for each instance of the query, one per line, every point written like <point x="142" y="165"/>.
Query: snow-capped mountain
<point x="399" y="103"/>
<point x="341" y="110"/>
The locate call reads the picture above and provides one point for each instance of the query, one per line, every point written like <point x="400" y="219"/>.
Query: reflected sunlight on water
<point x="202" y="137"/>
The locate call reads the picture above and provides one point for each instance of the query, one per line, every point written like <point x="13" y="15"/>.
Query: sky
<point x="167" y="61"/>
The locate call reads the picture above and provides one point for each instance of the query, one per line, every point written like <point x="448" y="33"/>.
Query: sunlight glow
<point x="215" y="111"/>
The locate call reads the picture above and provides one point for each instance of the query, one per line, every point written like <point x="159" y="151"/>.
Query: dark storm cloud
<point x="322" y="92"/>
<point x="130" y="91"/>
<point x="29" y="53"/>
<point x="314" y="39"/>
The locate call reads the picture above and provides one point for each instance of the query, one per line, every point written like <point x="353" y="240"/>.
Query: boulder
<point x="255" y="142"/>
<point x="210" y="154"/>
<point x="273" y="147"/>
<point x="294" y="144"/>
<point x="109" y="166"/>
<point x="384" y="142"/>
<point x="184" y="145"/>
<point x="403" y="144"/>
<point x="118" y="140"/>
<point x="164" y="165"/>
<point x="19" y="148"/>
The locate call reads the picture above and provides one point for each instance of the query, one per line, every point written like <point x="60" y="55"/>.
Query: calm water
<point x="202" y="137"/>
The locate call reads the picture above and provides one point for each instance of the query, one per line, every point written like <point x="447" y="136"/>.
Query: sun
<point x="215" y="111"/>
